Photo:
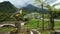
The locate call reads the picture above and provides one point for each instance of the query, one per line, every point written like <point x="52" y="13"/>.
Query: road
<point x="54" y="19"/>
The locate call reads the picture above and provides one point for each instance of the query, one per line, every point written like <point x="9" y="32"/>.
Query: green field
<point x="6" y="29"/>
<point x="34" y="23"/>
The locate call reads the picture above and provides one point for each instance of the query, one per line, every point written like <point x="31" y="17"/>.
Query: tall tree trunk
<point x="52" y="21"/>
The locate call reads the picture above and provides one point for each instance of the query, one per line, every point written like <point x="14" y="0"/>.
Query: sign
<point x="21" y="12"/>
<point x="17" y="14"/>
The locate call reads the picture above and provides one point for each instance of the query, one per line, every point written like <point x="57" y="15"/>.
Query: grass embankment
<point x="6" y="29"/>
<point x="34" y="23"/>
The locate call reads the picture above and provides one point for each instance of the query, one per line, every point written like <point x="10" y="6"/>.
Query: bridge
<point x="32" y="31"/>
<point x="12" y="25"/>
<point x="22" y="23"/>
<point x="2" y="25"/>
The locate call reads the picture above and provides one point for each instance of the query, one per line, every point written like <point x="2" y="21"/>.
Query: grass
<point x="57" y="23"/>
<point x="6" y="29"/>
<point x="34" y="23"/>
<point x="10" y="29"/>
<point x="46" y="32"/>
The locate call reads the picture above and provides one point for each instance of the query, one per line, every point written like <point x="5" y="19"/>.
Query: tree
<point x="6" y="10"/>
<point x="52" y="10"/>
<point x="43" y="3"/>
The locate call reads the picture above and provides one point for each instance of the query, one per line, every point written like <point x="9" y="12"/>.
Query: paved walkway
<point x="54" y="19"/>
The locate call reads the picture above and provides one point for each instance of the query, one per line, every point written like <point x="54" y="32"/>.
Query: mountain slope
<point x="30" y="8"/>
<point x="6" y="10"/>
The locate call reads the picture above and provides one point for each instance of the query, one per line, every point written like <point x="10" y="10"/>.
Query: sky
<point x="23" y="3"/>
<point x="58" y="1"/>
<point x="20" y="3"/>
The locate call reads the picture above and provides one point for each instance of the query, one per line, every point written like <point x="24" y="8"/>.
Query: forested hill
<point x="30" y="8"/>
<point x="6" y="10"/>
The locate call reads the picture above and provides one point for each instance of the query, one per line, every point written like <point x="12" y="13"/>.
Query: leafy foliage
<point x="6" y="10"/>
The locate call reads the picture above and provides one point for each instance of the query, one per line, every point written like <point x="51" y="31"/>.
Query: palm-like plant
<point x="44" y="3"/>
<point x="52" y="9"/>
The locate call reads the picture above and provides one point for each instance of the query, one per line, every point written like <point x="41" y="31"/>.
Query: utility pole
<point x="42" y="17"/>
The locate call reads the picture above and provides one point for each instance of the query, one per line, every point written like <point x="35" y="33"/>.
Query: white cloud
<point x="58" y="5"/>
<point x="19" y="2"/>
<point x="55" y="2"/>
<point x="58" y="1"/>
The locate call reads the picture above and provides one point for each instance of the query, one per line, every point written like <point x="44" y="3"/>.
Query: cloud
<point x="58" y="1"/>
<point x="58" y="5"/>
<point x="19" y="3"/>
<point x="22" y="3"/>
